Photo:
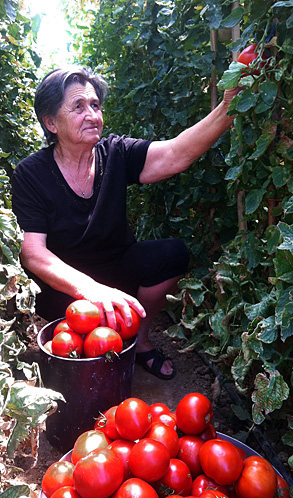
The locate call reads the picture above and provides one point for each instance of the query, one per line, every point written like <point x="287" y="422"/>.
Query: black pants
<point x="145" y="264"/>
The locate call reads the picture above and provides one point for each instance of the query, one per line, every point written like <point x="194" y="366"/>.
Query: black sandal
<point x="158" y="356"/>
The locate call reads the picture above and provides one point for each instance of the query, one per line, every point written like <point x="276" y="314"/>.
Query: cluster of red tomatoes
<point x="137" y="450"/>
<point x="79" y="335"/>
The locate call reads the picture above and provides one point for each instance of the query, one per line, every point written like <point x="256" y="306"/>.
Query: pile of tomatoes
<point x="136" y="450"/>
<point x="79" y="334"/>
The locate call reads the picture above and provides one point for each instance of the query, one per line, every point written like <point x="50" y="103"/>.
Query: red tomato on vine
<point x="249" y="55"/>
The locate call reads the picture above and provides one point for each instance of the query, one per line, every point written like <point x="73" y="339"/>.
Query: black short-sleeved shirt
<point x="80" y="231"/>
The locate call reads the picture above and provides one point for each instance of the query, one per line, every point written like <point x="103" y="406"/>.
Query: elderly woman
<point x="70" y="201"/>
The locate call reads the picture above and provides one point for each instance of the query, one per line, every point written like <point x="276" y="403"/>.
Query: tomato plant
<point x="122" y="448"/>
<point x="67" y="344"/>
<point x="133" y="418"/>
<point x="135" y="488"/>
<point x="87" y="442"/>
<point x="66" y="492"/>
<point x="59" y="474"/>
<point x="193" y="413"/>
<point x="189" y="447"/>
<point x="106" y="423"/>
<point x="202" y="482"/>
<point x="221" y="461"/>
<point x="149" y="460"/>
<point x="166" y="435"/>
<point x="99" y="474"/>
<point x="121" y="327"/>
<point x="258" y="479"/>
<point x="102" y="340"/>
<point x="82" y="316"/>
<point x="177" y="479"/>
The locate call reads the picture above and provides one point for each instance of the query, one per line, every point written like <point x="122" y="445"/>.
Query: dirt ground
<point x="193" y="375"/>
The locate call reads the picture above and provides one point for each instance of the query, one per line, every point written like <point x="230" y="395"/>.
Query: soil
<point x="194" y="374"/>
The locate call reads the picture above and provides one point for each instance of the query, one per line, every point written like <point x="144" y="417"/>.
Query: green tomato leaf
<point x="231" y="77"/>
<point x="268" y="91"/>
<point x="253" y="200"/>
<point x="281" y="175"/>
<point x="284" y="266"/>
<point x="262" y="144"/>
<point x="233" y="18"/>
<point x="270" y="392"/>
<point x="287" y="234"/>
<point x="16" y="491"/>
<point x="247" y="100"/>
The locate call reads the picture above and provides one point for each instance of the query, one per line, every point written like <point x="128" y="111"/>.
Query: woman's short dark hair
<point x="50" y="92"/>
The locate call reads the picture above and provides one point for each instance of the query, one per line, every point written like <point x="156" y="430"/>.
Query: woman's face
<point x="79" y="119"/>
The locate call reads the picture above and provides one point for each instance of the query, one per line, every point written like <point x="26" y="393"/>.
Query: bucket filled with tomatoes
<point x="90" y="365"/>
<point x="136" y="450"/>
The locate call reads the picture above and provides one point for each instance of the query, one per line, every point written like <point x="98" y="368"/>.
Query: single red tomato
<point x="221" y="461"/>
<point x="100" y="341"/>
<point x="106" y="423"/>
<point x="189" y="447"/>
<point x="87" y="442"/>
<point x="213" y="494"/>
<point x="208" y="433"/>
<point x="258" y="479"/>
<point x="157" y="409"/>
<point x="48" y="347"/>
<point x="149" y="460"/>
<point x="121" y="327"/>
<point x="177" y="480"/>
<point x="135" y="488"/>
<point x="59" y="474"/>
<point x="249" y="55"/>
<point x="283" y="489"/>
<point x="193" y="413"/>
<point x="167" y="419"/>
<point x="82" y="316"/>
<point x="202" y="482"/>
<point x="166" y="435"/>
<point x="99" y="474"/>
<point x="67" y="344"/>
<point x="66" y="492"/>
<point x="61" y="327"/>
<point x="133" y="419"/>
<point x="122" y="448"/>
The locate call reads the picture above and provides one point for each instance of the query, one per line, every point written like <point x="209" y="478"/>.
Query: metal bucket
<point x="89" y="386"/>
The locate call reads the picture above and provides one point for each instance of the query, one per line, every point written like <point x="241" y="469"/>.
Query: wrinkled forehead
<point x="78" y="92"/>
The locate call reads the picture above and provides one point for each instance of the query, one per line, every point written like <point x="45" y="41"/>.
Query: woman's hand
<point x="106" y="298"/>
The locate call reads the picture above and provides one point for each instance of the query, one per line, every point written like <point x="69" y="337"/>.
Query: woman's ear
<point x="49" y="122"/>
